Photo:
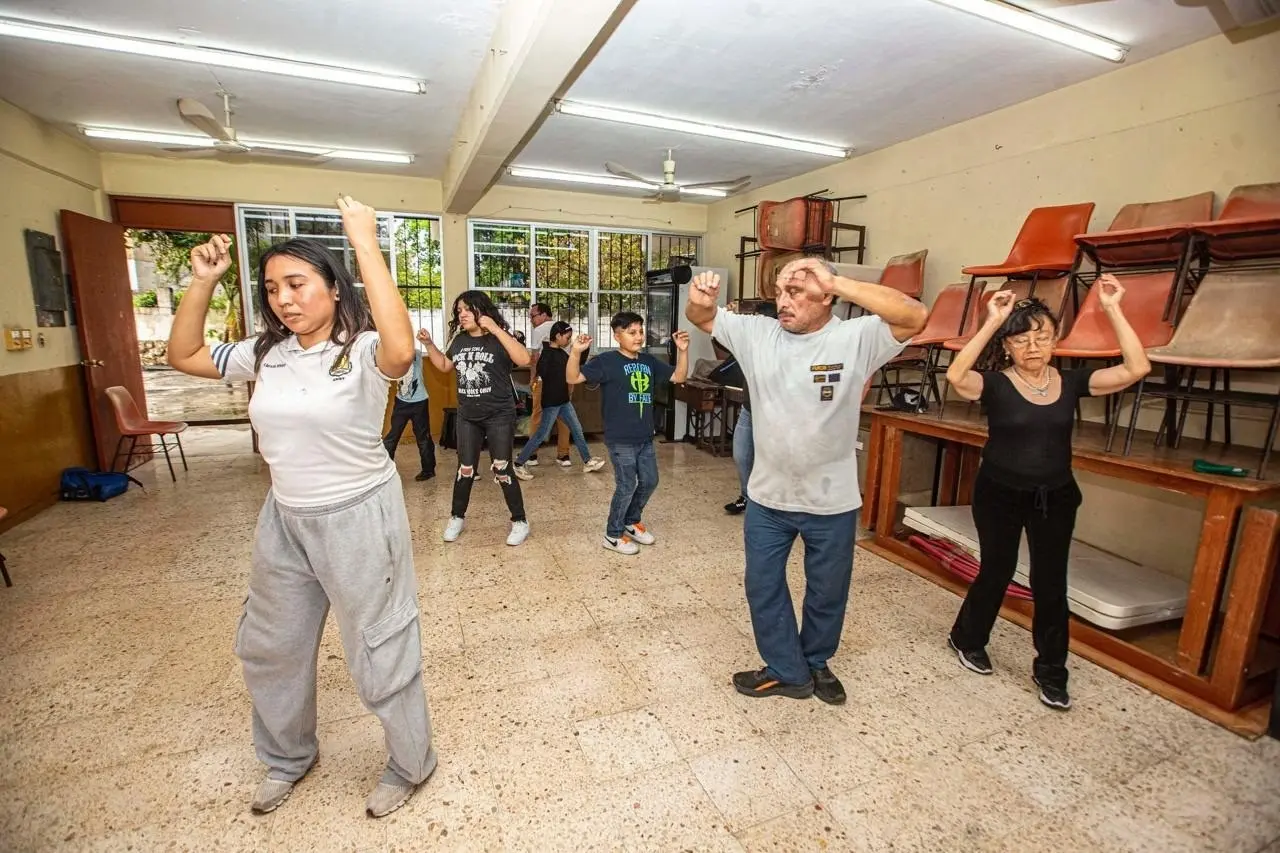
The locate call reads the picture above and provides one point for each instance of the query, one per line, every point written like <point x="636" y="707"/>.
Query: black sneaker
<point x="1054" y="696"/>
<point x="827" y="687"/>
<point x="425" y="475"/>
<point x="974" y="661"/>
<point x="737" y="506"/>
<point x="759" y="683"/>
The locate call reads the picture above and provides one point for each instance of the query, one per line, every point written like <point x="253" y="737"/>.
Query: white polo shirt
<point x="318" y="417"/>
<point x="538" y="336"/>
<point x="806" y="396"/>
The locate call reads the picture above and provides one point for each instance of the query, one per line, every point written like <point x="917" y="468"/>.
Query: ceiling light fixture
<point x="572" y="108"/>
<point x="601" y="180"/>
<point x="208" y="56"/>
<point x="1039" y="25"/>
<point x="160" y="138"/>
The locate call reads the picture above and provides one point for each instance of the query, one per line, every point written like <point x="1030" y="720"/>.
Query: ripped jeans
<point x="499" y="431"/>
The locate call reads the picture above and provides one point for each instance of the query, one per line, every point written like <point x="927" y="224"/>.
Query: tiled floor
<point x="581" y="699"/>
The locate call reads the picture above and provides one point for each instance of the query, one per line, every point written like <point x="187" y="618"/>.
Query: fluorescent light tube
<point x="601" y="180"/>
<point x="573" y="108"/>
<point x="1039" y="25"/>
<point x="208" y="56"/>
<point x="161" y="138"/>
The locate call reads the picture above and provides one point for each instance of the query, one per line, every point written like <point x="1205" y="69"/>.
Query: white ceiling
<point x="860" y="73"/>
<point x="441" y="41"/>
<point x="863" y="74"/>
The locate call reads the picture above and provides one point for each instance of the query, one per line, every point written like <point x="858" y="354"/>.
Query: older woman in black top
<point x="1025" y="480"/>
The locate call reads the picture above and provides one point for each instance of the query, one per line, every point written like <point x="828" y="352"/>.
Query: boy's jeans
<point x="635" y="475"/>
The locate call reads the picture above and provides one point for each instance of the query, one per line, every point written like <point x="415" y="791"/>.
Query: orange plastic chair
<point x="1153" y="232"/>
<point x="1232" y="323"/>
<point x="905" y="273"/>
<point x="1044" y="248"/>
<point x="924" y="350"/>
<point x="132" y="425"/>
<point x="4" y="570"/>
<point x="1247" y="228"/>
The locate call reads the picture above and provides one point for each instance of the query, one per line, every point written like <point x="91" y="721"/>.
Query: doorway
<point x="159" y="236"/>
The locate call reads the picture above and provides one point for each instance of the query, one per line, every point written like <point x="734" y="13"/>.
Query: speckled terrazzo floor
<point x="581" y="699"/>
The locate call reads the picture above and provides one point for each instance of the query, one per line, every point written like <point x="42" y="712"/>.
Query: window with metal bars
<point x="584" y="275"/>
<point x="411" y="245"/>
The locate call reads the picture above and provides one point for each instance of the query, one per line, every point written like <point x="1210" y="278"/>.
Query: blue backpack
<point x="81" y="484"/>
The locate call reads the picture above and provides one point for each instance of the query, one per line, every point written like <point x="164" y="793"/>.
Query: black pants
<point x="500" y="433"/>
<point x="1001" y="514"/>
<point x="419" y="413"/>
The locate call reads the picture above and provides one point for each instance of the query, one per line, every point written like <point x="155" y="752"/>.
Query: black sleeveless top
<point x="1029" y="444"/>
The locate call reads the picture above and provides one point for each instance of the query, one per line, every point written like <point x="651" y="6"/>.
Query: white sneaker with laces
<point x="623" y="545"/>
<point x="595" y="463"/>
<point x="532" y="463"/>
<point x="453" y="529"/>
<point x="564" y="462"/>
<point x="522" y="472"/>
<point x="519" y="532"/>
<point x="640" y="534"/>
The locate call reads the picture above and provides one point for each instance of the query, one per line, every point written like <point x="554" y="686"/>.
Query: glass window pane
<point x="563" y="260"/>
<point x="622" y="260"/>
<point x="501" y="258"/>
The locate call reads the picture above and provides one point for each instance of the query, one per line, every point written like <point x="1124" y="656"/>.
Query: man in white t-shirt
<point x="541" y="320"/>
<point x="805" y="372"/>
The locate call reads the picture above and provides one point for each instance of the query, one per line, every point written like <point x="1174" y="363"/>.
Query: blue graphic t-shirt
<point x="411" y="389"/>
<point x="627" y="388"/>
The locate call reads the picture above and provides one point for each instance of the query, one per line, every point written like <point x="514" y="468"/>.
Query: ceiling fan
<point x="667" y="189"/>
<point x="225" y="144"/>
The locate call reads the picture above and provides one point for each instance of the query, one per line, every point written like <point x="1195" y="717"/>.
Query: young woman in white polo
<point x="334" y="531"/>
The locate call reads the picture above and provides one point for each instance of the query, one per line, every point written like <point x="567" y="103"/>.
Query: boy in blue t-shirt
<point x="411" y="405"/>
<point x="628" y="380"/>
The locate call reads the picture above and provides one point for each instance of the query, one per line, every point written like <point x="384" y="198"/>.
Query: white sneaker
<point x="564" y="462"/>
<point x="623" y="545"/>
<point x="595" y="463"/>
<point x="522" y="472"/>
<point x="453" y="529"/>
<point x="640" y="534"/>
<point x="532" y="463"/>
<point x="519" y="532"/>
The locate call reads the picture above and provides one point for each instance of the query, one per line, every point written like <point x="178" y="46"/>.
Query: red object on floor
<point x="958" y="561"/>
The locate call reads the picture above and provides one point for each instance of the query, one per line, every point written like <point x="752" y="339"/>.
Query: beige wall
<point x="42" y="172"/>
<point x="1200" y="118"/>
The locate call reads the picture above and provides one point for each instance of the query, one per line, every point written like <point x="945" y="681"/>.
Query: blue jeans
<point x="744" y="449"/>
<point x="550" y="414"/>
<point x="635" y="476"/>
<point x="828" y="567"/>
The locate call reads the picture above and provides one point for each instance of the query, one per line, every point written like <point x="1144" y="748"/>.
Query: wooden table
<point x="1216" y="664"/>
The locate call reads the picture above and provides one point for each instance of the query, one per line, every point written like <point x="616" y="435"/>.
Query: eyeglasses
<point x="1024" y="341"/>
<point x="1023" y="303"/>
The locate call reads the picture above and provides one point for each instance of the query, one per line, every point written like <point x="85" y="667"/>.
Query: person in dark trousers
<point x="411" y="405"/>
<point x="806" y="371"/>
<point x="729" y="373"/>
<point x="1024" y="482"/>
<point x="483" y="352"/>
<point x="552" y="366"/>
<point x="628" y="380"/>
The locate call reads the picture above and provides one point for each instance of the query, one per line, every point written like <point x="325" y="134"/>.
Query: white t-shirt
<point x="319" y="420"/>
<point x="806" y="393"/>
<point x="538" y="335"/>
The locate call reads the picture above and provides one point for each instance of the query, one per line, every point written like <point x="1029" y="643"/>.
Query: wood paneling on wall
<point x="45" y="429"/>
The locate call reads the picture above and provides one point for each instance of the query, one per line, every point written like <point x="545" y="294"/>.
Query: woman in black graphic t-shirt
<point x="1025" y="480"/>
<point x="483" y="353"/>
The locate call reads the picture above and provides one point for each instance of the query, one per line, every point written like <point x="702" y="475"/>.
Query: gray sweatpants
<point x="357" y="556"/>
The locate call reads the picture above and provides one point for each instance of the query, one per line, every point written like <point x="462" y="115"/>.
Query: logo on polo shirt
<point x="341" y="366"/>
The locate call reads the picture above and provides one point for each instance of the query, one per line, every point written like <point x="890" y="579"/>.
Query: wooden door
<point x="99" y="272"/>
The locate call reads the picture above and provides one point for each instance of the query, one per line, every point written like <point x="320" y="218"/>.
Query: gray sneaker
<point x="273" y="792"/>
<point x="388" y="797"/>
